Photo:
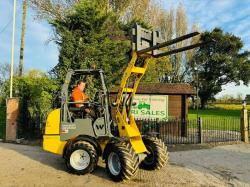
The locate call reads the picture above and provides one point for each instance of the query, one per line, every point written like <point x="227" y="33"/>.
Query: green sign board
<point x="150" y="107"/>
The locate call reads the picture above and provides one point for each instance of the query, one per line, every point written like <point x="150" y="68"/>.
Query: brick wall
<point x="12" y="111"/>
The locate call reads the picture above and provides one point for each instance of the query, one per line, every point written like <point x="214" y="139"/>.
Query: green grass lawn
<point x="213" y="113"/>
<point x="217" y="111"/>
<point x="219" y="117"/>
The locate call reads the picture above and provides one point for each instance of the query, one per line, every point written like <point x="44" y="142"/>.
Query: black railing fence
<point x="2" y="130"/>
<point x="221" y="129"/>
<point x="249" y="126"/>
<point x="249" y="131"/>
<point x="171" y="131"/>
<point x="192" y="131"/>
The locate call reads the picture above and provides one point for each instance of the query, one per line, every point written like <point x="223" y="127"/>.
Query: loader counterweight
<point x="51" y="139"/>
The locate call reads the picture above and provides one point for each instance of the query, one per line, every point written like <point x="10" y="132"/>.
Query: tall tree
<point x="189" y="66"/>
<point x="118" y="6"/>
<point x="147" y="12"/>
<point x="193" y="40"/>
<point x="135" y="10"/>
<point x="90" y="38"/>
<point x="20" y="73"/>
<point x="178" y="61"/>
<point x="220" y="62"/>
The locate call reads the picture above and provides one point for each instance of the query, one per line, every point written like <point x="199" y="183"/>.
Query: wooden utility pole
<point x="12" y="48"/>
<point x="20" y="73"/>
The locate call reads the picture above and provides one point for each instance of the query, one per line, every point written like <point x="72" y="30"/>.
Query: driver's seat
<point x="73" y="109"/>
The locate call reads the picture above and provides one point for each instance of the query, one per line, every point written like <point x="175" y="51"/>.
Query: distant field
<point x="219" y="116"/>
<point x="218" y="111"/>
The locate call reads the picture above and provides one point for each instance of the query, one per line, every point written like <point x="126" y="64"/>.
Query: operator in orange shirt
<point x="78" y="94"/>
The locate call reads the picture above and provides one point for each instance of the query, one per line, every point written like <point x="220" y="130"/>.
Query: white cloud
<point x="233" y="90"/>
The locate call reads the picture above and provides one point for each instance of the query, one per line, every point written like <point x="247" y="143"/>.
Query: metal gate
<point x="2" y="122"/>
<point x="248" y="125"/>
<point x="2" y="130"/>
<point x="248" y="130"/>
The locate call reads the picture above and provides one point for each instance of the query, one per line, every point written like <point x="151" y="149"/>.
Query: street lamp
<point x="197" y="85"/>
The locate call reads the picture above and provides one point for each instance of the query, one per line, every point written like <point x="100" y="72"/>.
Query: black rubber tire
<point x="89" y="148"/>
<point x="129" y="161"/>
<point x="158" y="156"/>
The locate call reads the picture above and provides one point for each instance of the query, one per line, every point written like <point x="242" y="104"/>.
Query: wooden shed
<point x="177" y="96"/>
<point x="175" y="102"/>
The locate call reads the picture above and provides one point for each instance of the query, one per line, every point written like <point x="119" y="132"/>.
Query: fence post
<point x="158" y="128"/>
<point x="183" y="127"/>
<point x="200" y="130"/>
<point x="244" y="124"/>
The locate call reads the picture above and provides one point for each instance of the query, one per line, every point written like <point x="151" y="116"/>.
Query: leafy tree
<point x="35" y="92"/>
<point x="169" y="22"/>
<point x="219" y="62"/>
<point x="90" y="38"/>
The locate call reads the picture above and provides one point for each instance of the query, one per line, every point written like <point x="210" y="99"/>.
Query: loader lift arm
<point x="146" y="45"/>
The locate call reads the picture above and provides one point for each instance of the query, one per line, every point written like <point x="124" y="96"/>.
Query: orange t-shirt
<point x="79" y="96"/>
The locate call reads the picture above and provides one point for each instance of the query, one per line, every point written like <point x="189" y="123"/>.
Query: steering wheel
<point x="95" y="103"/>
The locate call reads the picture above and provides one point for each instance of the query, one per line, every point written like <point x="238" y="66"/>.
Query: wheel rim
<point x="114" y="163"/>
<point x="79" y="159"/>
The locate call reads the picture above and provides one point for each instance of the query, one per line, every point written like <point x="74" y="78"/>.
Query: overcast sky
<point x="231" y="15"/>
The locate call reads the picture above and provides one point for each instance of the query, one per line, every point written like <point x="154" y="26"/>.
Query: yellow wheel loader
<point x="82" y="138"/>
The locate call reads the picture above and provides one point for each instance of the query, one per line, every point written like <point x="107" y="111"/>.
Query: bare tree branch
<point x="51" y="9"/>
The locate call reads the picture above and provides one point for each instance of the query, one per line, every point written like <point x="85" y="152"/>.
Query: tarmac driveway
<point x="22" y="165"/>
<point x="229" y="163"/>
